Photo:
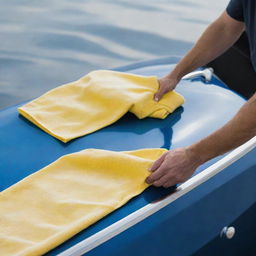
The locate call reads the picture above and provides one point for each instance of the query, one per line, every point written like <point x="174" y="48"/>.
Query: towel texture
<point x="50" y="206"/>
<point x="96" y="100"/>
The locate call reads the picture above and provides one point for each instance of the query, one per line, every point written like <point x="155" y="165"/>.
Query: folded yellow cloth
<point x="50" y="206"/>
<point x="96" y="100"/>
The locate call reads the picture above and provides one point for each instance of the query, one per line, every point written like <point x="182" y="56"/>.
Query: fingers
<point x="169" y="183"/>
<point x="158" y="162"/>
<point x="162" y="90"/>
<point x="154" y="176"/>
<point x="159" y="173"/>
<point x="173" y="167"/>
<point x="163" y="176"/>
<point x="165" y="181"/>
<point x="160" y="182"/>
<point x="166" y="84"/>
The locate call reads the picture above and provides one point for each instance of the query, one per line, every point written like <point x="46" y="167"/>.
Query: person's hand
<point x="166" y="84"/>
<point x="174" y="166"/>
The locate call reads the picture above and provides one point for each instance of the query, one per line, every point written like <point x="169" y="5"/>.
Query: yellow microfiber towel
<point x="97" y="100"/>
<point x="50" y="206"/>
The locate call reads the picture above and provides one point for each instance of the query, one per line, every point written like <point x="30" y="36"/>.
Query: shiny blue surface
<point x="191" y="225"/>
<point x="25" y="148"/>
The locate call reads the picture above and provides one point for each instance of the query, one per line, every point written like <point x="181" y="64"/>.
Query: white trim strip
<point x="206" y="73"/>
<point x="137" y="216"/>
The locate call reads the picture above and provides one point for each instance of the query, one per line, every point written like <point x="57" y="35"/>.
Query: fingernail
<point x="148" y="181"/>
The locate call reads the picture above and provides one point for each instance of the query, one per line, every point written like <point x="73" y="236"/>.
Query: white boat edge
<point x="137" y="216"/>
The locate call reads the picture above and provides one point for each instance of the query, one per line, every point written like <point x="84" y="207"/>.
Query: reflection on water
<point x="47" y="43"/>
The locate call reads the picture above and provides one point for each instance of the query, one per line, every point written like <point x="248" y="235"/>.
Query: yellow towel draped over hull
<point x="97" y="100"/>
<point x="50" y="206"/>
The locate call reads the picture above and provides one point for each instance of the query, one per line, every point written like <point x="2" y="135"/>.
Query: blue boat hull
<point x="192" y="224"/>
<point x="189" y="225"/>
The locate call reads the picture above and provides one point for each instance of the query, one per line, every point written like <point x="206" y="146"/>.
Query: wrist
<point x="173" y="77"/>
<point x="194" y="153"/>
<point x="176" y="74"/>
<point x="172" y="80"/>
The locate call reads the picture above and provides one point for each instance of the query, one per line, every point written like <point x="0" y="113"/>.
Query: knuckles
<point x="156" y="184"/>
<point x="167" y="185"/>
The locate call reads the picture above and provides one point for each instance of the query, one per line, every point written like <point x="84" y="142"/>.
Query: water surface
<point x="47" y="43"/>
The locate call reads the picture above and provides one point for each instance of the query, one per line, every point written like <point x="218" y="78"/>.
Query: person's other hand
<point x="174" y="166"/>
<point x="166" y="84"/>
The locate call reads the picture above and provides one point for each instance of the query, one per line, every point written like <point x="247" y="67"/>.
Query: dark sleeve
<point x="235" y="9"/>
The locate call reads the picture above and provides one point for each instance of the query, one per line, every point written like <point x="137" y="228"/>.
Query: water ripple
<point x="51" y="42"/>
<point x="140" y="40"/>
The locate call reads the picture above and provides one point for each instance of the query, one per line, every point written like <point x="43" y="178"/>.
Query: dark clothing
<point x="234" y="68"/>
<point x="245" y="11"/>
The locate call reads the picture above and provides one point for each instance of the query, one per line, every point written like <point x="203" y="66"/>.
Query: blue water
<point x="47" y="43"/>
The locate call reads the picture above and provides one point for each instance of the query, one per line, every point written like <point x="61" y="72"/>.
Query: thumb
<point x="162" y="90"/>
<point x="158" y="162"/>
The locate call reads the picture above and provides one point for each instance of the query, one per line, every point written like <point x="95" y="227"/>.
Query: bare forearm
<point x="237" y="131"/>
<point x="215" y="40"/>
<point x="176" y="166"/>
